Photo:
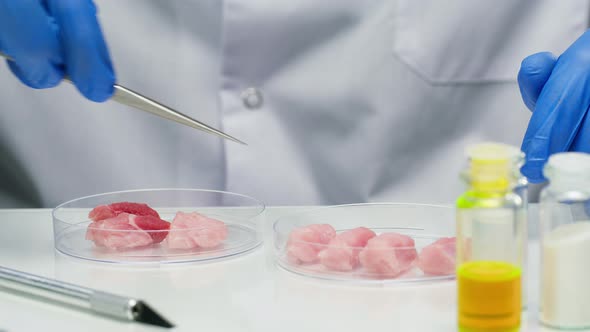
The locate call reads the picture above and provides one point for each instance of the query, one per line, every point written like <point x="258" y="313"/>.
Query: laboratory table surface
<point x="246" y="293"/>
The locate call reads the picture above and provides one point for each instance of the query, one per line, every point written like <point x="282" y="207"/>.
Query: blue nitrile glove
<point x="558" y="92"/>
<point x="534" y="73"/>
<point x="51" y="38"/>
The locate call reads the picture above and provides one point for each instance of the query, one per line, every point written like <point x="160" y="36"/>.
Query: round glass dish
<point x="313" y="251"/>
<point x="242" y="217"/>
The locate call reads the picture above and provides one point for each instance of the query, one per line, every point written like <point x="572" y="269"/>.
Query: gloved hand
<point x="558" y="93"/>
<point x="51" y="38"/>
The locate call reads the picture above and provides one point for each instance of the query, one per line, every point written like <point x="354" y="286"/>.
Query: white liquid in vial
<point x="565" y="286"/>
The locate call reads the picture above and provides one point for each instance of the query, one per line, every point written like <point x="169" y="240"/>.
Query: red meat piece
<point x="102" y="212"/>
<point x="156" y="227"/>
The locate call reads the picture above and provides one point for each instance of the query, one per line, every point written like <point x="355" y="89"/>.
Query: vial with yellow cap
<point x="491" y="234"/>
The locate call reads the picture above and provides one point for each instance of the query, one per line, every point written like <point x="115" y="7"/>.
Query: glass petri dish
<point x="412" y="243"/>
<point x="242" y="216"/>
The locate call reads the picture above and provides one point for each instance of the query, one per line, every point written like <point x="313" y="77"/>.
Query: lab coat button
<point x="252" y="98"/>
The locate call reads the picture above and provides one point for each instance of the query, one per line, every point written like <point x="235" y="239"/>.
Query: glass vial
<point x="565" y="242"/>
<point x="491" y="239"/>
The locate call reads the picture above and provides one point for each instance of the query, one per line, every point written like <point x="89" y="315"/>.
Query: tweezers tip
<point x="235" y="140"/>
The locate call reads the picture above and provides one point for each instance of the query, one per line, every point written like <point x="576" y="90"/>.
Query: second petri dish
<point x="158" y="226"/>
<point x="369" y="243"/>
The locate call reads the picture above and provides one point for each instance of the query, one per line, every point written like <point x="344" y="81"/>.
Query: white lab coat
<point x="359" y="101"/>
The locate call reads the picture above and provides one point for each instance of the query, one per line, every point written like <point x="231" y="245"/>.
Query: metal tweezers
<point x="133" y="99"/>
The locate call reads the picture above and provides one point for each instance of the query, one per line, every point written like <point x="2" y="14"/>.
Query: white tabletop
<point x="247" y="293"/>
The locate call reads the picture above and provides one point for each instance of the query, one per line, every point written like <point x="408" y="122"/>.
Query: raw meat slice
<point x="306" y="242"/>
<point x="301" y="247"/>
<point x="102" y="212"/>
<point x="438" y="258"/>
<point x="194" y="230"/>
<point x="156" y="227"/>
<point x="143" y="217"/>
<point x="388" y="255"/>
<point x="342" y="253"/>
<point x="326" y="232"/>
<point x="117" y="233"/>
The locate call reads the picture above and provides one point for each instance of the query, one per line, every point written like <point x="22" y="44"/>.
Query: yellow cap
<point x="489" y="296"/>
<point x="492" y="165"/>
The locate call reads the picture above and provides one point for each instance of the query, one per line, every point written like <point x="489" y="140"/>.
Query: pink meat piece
<point x="388" y="255"/>
<point x="326" y="232"/>
<point x="438" y="258"/>
<point x="306" y="242"/>
<point x="342" y="253"/>
<point x="118" y="232"/>
<point x="194" y="230"/>
<point x="102" y="212"/>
